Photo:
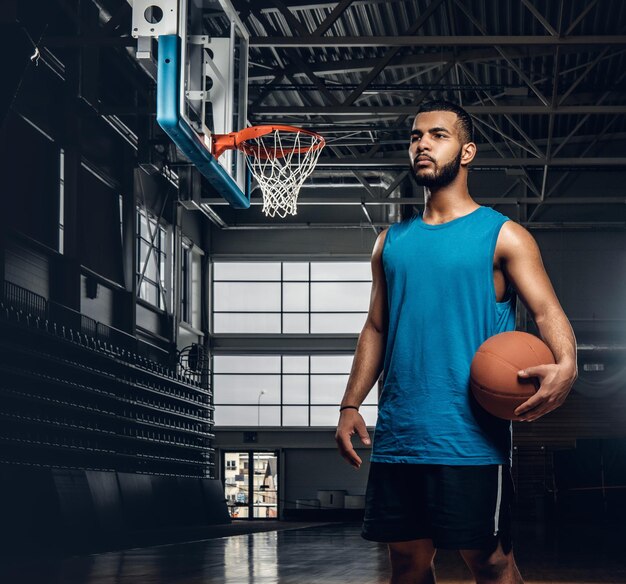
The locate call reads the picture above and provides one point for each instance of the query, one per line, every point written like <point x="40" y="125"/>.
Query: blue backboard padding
<point x="181" y="133"/>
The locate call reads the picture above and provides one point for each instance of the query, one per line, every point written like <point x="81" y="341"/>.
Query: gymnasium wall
<point x="588" y="271"/>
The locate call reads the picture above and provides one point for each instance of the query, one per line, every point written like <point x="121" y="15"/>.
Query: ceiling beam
<point x="435" y="41"/>
<point x="540" y="17"/>
<point x="391" y="53"/>
<point x="581" y="16"/>
<point x="410" y="109"/>
<point x="402" y="61"/>
<point x="352" y="201"/>
<point x="401" y="162"/>
<point x="331" y="18"/>
<point x="557" y="226"/>
<point x="520" y="72"/>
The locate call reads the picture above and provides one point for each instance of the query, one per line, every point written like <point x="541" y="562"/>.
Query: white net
<point x="280" y="162"/>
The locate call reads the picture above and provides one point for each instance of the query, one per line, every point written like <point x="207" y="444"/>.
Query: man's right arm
<point x="368" y="361"/>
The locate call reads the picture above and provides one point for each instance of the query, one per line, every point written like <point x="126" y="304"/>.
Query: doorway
<point x="251" y="484"/>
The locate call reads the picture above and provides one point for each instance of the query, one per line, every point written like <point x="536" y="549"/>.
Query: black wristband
<point x="349" y="408"/>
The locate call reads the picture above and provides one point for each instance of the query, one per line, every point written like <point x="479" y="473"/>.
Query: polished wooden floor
<point x="324" y="554"/>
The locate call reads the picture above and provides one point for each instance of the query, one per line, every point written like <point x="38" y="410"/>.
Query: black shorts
<point x="457" y="507"/>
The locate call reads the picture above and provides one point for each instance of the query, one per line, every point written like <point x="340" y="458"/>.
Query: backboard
<point x="202" y="82"/>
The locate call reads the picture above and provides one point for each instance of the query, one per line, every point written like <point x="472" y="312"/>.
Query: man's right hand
<point x="350" y="423"/>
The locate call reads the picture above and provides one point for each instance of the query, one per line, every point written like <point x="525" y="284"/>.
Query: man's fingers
<point x="362" y="432"/>
<point x="346" y="449"/>
<point x="535" y="371"/>
<point x="353" y="458"/>
<point x="531" y="403"/>
<point x="535" y="407"/>
<point x="348" y="452"/>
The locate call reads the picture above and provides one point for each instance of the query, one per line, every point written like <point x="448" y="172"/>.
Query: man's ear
<point x="468" y="151"/>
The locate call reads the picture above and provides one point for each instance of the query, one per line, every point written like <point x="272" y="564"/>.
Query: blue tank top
<point x="442" y="306"/>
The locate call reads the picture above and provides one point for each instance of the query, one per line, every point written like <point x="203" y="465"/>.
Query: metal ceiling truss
<point x="309" y="72"/>
<point x="343" y="111"/>
<point x="435" y="41"/>
<point x="481" y="162"/>
<point x="367" y="85"/>
<point x="310" y="67"/>
<point x="473" y="55"/>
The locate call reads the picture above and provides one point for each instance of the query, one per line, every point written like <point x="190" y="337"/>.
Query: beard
<point x="441" y="177"/>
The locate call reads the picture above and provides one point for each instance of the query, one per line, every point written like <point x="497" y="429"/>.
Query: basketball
<point x="493" y="375"/>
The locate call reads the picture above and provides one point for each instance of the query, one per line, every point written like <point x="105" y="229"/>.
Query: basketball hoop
<point x="280" y="158"/>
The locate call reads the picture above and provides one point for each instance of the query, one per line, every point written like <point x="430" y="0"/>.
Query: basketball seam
<point x="535" y="352"/>
<point x="496" y="356"/>
<point x="496" y="394"/>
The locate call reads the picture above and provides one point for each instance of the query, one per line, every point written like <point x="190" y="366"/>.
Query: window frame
<point x="162" y="247"/>
<point x="277" y="325"/>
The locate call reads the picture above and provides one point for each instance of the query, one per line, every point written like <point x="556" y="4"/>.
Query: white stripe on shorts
<point x="496" y="518"/>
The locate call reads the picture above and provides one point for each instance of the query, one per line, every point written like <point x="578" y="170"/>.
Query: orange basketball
<point x="493" y="375"/>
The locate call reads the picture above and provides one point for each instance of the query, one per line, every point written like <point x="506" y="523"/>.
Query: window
<point x="185" y="290"/>
<point x="151" y="261"/>
<point x="283" y="390"/>
<point x="290" y="297"/>
<point x="191" y="290"/>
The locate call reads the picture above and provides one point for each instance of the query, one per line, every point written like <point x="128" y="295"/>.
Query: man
<point x="442" y="283"/>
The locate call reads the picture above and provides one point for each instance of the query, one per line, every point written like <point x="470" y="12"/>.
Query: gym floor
<point x="325" y="554"/>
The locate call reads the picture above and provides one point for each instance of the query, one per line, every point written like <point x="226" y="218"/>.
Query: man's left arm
<point x="522" y="265"/>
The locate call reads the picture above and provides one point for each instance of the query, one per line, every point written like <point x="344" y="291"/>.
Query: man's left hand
<point x="555" y="382"/>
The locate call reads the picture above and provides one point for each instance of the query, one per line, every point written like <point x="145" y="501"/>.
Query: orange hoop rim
<point x="239" y="141"/>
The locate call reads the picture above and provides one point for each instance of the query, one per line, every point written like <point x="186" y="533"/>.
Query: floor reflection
<point x="329" y="554"/>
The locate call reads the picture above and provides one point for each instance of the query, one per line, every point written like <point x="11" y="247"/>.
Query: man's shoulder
<point x="513" y="238"/>
<point x="380" y="243"/>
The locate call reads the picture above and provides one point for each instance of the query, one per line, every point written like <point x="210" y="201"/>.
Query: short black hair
<point x="465" y="121"/>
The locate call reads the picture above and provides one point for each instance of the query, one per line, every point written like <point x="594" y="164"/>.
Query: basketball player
<point x="444" y="281"/>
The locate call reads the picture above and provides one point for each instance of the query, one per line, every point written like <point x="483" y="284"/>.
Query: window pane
<point x="327" y="389"/>
<point x="337" y="323"/>
<point x="246" y="296"/>
<point x="324" y="415"/>
<point x="341" y="271"/>
<point x="338" y="296"/>
<point x="163" y="234"/>
<point x="295" y="323"/>
<point x="299" y="364"/>
<point x="246" y="323"/>
<point x="149" y="293"/>
<point x="246" y="389"/>
<point x="143" y="228"/>
<point x="162" y="271"/>
<point x="247" y="416"/>
<point x="295" y="297"/>
<point x="246" y="271"/>
<point x="331" y="363"/>
<point x="238" y="395"/>
<point x="150" y="272"/>
<point x="196" y="290"/>
<point x="295" y="271"/>
<point x="269" y="416"/>
<point x="246" y="364"/>
<point x="295" y="416"/>
<point x="369" y="414"/>
<point x="296" y="389"/>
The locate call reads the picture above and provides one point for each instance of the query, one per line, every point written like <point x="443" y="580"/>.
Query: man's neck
<point x="448" y="203"/>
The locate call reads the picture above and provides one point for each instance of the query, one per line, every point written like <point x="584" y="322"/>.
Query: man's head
<point x="441" y="143"/>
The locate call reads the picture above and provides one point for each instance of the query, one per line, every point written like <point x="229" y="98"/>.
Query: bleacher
<point x="91" y="423"/>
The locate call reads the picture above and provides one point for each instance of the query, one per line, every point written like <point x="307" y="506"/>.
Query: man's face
<point x="435" y="149"/>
